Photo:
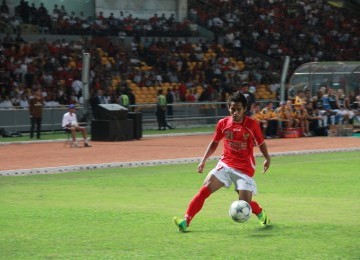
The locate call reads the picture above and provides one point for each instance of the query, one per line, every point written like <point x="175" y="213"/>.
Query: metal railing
<point x="184" y="115"/>
<point x="18" y="119"/>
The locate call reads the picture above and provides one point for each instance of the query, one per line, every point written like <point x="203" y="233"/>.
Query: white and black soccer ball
<point x="240" y="211"/>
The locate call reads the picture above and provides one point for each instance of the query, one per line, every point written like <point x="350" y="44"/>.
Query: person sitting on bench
<point x="71" y="125"/>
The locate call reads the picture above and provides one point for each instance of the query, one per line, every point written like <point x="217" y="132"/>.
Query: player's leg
<point x="211" y="184"/>
<point x="264" y="220"/>
<point x="245" y="195"/>
<point x="255" y="207"/>
<point x="246" y="188"/>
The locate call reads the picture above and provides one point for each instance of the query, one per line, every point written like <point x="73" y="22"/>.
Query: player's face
<point x="237" y="111"/>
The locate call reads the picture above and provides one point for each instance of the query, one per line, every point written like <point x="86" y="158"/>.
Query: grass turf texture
<point x="126" y="213"/>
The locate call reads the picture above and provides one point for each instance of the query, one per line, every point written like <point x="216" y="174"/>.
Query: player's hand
<point x="266" y="166"/>
<point x="201" y="167"/>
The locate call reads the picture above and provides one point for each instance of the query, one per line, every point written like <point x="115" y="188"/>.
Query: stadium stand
<point x="251" y="39"/>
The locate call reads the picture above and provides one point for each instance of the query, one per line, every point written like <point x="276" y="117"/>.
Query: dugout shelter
<point x="336" y="75"/>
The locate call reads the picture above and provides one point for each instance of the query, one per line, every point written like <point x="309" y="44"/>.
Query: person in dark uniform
<point x="35" y="108"/>
<point x="95" y="100"/>
<point x="169" y="102"/>
<point x="132" y="99"/>
<point x="161" y="111"/>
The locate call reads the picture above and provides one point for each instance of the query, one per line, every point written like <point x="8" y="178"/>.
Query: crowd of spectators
<point x="62" y="22"/>
<point x="308" y="115"/>
<point x="305" y="30"/>
<point x="194" y="71"/>
<point x="202" y="68"/>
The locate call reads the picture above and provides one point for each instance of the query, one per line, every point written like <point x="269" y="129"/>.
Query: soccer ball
<point x="240" y="211"/>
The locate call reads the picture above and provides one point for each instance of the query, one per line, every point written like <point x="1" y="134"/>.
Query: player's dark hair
<point x="238" y="97"/>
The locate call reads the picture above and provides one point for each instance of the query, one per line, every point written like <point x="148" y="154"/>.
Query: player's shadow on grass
<point x="253" y="231"/>
<point x="265" y="231"/>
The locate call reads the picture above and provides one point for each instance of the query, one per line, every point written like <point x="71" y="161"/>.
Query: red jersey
<point x="239" y="142"/>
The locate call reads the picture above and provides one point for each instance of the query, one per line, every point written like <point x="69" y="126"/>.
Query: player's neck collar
<point x="241" y="122"/>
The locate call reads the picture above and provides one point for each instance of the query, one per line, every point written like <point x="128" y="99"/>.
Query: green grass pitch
<point x="126" y="213"/>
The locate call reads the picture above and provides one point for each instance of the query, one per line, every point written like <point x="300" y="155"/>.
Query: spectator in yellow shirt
<point x="302" y="119"/>
<point x="256" y="114"/>
<point x="271" y="118"/>
<point x="284" y="114"/>
<point x="300" y="98"/>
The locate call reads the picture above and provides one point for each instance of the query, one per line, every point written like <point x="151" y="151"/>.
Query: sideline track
<point x="85" y="167"/>
<point x="51" y="156"/>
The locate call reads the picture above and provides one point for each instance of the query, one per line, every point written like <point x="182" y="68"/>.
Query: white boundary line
<point x="85" y="167"/>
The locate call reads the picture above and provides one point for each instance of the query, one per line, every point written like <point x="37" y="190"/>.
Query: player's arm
<point x="265" y="153"/>
<point x="209" y="151"/>
<point x="259" y="140"/>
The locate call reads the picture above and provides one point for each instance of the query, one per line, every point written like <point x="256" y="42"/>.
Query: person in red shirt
<point x="237" y="163"/>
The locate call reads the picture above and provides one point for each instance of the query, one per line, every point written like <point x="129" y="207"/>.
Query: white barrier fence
<point x="184" y="115"/>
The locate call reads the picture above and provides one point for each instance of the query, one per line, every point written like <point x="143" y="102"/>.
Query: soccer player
<point x="237" y="164"/>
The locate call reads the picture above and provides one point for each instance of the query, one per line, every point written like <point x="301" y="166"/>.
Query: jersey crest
<point x="229" y="135"/>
